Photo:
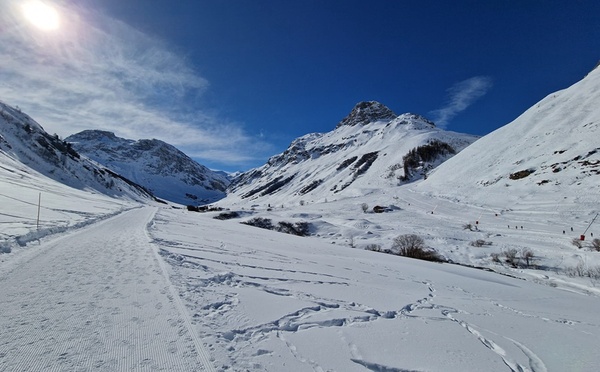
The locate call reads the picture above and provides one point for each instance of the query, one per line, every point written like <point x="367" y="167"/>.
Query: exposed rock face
<point x="367" y="112"/>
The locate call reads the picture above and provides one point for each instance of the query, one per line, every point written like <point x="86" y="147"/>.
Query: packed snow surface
<point x="158" y="288"/>
<point x="96" y="299"/>
<point x="269" y="301"/>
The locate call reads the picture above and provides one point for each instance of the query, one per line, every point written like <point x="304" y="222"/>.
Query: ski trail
<point x="202" y="353"/>
<point x="96" y="299"/>
<point x="536" y="364"/>
<point x="514" y="366"/>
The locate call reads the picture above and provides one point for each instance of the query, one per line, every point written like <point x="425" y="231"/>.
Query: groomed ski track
<point x="97" y="299"/>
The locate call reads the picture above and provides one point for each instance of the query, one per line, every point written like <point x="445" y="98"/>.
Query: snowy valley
<point x="110" y="279"/>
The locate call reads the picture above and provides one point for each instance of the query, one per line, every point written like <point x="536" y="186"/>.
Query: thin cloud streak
<point x="98" y="73"/>
<point x="460" y="96"/>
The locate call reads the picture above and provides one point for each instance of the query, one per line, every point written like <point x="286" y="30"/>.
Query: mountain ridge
<point x="366" y="150"/>
<point x="159" y="166"/>
<point x="24" y="140"/>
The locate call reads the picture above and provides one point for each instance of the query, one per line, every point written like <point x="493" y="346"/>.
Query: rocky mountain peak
<point x="367" y="112"/>
<point x="89" y="134"/>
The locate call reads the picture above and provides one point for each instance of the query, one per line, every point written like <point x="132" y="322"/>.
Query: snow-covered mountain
<point x="371" y="148"/>
<point x="268" y="301"/>
<point x="550" y="152"/>
<point x="160" y="167"/>
<point x="24" y="141"/>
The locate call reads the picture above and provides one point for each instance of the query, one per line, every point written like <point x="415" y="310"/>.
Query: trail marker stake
<point x="38" y="214"/>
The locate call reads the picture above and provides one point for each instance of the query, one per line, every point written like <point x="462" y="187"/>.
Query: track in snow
<point x="97" y="299"/>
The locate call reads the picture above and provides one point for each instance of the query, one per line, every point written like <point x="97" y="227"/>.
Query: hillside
<point x="372" y="148"/>
<point x="548" y="158"/>
<point x="530" y="188"/>
<point x="24" y="141"/>
<point x="158" y="166"/>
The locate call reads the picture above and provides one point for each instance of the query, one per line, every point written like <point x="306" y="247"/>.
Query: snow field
<point x="61" y="208"/>
<point x="96" y="299"/>
<point x="268" y="301"/>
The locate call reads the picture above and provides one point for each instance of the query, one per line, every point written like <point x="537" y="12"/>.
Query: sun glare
<point x="41" y="15"/>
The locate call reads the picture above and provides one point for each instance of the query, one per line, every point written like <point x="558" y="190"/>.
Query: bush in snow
<point x="479" y="243"/>
<point x="576" y="242"/>
<point x="299" y="228"/>
<point x="413" y="246"/>
<point x="512" y="257"/>
<point x="263" y="223"/>
<point x="596" y="244"/>
<point x="373" y="247"/>
<point x="5" y="248"/>
<point x="582" y="270"/>
<point x="364" y="207"/>
<point x="528" y="256"/>
<point x="495" y="257"/>
<point x="227" y="215"/>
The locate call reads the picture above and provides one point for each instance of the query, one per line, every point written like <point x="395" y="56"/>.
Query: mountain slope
<point x="160" y="167"/>
<point x="371" y="148"/>
<point x="23" y="140"/>
<point x="551" y="149"/>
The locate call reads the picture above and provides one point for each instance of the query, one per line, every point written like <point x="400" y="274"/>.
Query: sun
<point x="41" y="15"/>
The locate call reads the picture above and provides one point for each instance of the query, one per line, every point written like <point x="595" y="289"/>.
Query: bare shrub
<point x="495" y="257"/>
<point x="298" y="228"/>
<point x="373" y="247"/>
<point x="581" y="270"/>
<point x="511" y="257"/>
<point x="263" y="223"/>
<point x="227" y="215"/>
<point x="528" y="256"/>
<point x="576" y="242"/>
<point x="479" y="243"/>
<point x="413" y="246"/>
<point x="467" y="226"/>
<point x="193" y="208"/>
<point x="596" y="245"/>
<point x="364" y="207"/>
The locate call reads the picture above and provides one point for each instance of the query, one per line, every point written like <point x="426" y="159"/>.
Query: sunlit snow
<point x="116" y="284"/>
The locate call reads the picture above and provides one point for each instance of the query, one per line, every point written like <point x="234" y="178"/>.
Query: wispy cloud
<point x="95" y="72"/>
<point x="460" y="96"/>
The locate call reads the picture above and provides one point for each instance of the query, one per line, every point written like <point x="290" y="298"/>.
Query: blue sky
<point x="233" y="82"/>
